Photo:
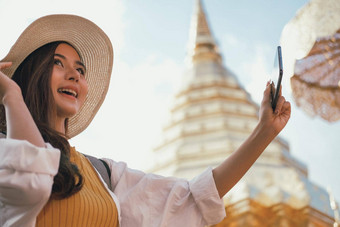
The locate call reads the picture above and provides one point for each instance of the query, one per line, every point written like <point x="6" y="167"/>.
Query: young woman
<point x="52" y="83"/>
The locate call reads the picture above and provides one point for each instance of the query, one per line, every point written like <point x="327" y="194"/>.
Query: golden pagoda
<point x="211" y="116"/>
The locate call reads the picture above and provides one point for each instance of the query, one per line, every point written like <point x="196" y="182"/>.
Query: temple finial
<point x="200" y="34"/>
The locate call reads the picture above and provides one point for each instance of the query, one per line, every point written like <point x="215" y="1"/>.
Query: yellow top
<point x="91" y="206"/>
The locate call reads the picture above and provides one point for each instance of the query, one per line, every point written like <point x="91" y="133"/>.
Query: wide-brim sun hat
<point x="92" y="44"/>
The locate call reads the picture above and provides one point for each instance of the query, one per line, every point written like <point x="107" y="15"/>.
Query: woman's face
<point x="68" y="82"/>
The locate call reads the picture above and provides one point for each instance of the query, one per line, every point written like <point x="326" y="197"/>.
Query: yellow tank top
<point x="91" y="206"/>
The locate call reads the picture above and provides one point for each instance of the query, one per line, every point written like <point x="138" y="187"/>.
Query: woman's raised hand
<point x="7" y="85"/>
<point x="19" y="122"/>
<point x="277" y="119"/>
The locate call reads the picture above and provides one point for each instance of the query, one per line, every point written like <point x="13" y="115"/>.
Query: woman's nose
<point x="73" y="74"/>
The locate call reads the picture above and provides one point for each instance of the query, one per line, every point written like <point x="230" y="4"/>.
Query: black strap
<point x="107" y="167"/>
<point x="102" y="167"/>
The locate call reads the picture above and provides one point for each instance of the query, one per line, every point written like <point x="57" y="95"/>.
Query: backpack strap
<point x="2" y="134"/>
<point x="102" y="167"/>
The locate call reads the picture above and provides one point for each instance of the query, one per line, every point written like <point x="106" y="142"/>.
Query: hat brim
<point x="93" y="46"/>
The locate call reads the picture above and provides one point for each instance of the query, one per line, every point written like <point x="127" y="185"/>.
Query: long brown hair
<point x="34" y="78"/>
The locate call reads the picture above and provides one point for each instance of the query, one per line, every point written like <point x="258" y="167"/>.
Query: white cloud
<point x="252" y="64"/>
<point x="16" y="15"/>
<point x="259" y="71"/>
<point x="233" y="41"/>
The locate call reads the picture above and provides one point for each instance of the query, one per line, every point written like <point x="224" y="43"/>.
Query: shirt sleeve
<point x="26" y="178"/>
<point x="153" y="200"/>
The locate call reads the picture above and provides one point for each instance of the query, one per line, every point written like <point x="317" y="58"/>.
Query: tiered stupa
<point x="211" y="116"/>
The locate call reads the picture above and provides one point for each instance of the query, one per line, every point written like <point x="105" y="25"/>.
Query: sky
<point x="150" y="40"/>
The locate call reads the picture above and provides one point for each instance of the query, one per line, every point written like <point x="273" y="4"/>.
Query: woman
<point x="52" y="83"/>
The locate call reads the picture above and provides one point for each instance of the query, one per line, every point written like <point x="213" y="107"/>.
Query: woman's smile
<point x="68" y="92"/>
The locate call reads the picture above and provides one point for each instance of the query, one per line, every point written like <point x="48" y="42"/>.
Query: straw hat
<point x="92" y="44"/>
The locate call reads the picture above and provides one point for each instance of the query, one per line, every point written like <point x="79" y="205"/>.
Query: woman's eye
<point x="58" y="62"/>
<point x="81" y="71"/>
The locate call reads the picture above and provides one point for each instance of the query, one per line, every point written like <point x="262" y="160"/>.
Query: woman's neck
<point x="59" y="125"/>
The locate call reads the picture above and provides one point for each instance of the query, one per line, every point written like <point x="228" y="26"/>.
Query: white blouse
<point x="26" y="178"/>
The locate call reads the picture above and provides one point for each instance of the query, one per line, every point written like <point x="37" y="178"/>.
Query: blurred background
<point x="150" y="42"/>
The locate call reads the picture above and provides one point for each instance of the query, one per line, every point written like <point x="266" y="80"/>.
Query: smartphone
<point x="276" y="77"/>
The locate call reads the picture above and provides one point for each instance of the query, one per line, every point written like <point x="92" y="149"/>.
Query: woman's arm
<point x="270" y="124"/>
<point x="20" y="124"/>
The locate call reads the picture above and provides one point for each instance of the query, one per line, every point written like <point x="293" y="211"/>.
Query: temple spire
<point x="201" y="44"/>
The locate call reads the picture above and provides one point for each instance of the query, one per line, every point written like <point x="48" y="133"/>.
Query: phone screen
<point x="276" y="77"/>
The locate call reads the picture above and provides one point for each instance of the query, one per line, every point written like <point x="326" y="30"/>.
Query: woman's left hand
<point x="8" y="88"/>
<point x="277" y="119"/>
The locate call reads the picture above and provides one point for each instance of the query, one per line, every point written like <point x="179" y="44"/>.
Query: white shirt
<point x="26" y="179"/>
